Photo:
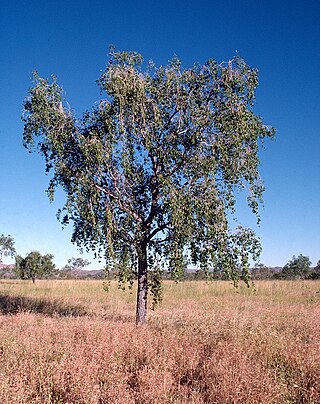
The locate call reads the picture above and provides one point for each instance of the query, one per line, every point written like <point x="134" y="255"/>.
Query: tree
<point x="261" y="271"/>
<point x="151" y="173"/>
<point x="74" y="265"/>
<point x="297" y="267"/>
<point x="315" y="272"/>
<point x="6" y="246"/>
<point x="34" y="265"/>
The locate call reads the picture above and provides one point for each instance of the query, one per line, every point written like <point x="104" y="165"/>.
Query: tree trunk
<point x="142" y="293"/>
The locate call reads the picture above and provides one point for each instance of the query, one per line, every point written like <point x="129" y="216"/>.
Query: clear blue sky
<point x="71" y="38"/>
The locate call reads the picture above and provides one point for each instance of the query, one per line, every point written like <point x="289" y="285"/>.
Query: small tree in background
<point x="151" y="174"/>
<point x="315" y="272"/>
<point x="298" y="267"/>
<point x="261" y="271"/>
<point x="6" y="247"/>
<point x="74" y="265"/>
<point x="34" y="266"/>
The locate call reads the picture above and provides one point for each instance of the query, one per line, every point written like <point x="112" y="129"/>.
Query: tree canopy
<point x="75" y="264"/>
<point x="34" y="266"/>
<point x="151" y="173"/>
<point x="297" y="267"/>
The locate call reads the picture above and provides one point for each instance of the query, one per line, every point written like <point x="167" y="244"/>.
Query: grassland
<point x="70" y="342"/>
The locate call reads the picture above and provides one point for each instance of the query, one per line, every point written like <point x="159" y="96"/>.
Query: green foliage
<point x="73" y="268"/>
<point x="6" y="246"/>
<point x="298" y="267"/>
<point x="152" y="172"/>
<point x="34" y="265"/>
<point x="261" y="271"/>
<point x="315" y="272"/>
<point x="155" y="286"/>
<point x="75" y="264"/>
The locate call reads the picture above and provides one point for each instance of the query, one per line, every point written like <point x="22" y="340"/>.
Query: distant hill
<point x="80" y="274"/>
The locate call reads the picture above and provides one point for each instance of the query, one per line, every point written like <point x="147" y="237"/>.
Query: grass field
<point x="71" y="342"/>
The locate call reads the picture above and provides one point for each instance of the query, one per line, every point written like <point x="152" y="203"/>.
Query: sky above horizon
<point x="70" y="39"/>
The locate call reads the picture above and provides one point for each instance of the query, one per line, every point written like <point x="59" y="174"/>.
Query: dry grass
<point x="70" y="342"/>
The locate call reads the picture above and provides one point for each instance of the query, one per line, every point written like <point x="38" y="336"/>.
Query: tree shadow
<point x="16" y="304"/>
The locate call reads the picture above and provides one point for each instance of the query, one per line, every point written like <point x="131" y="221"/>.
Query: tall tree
<point x="6" y="247"/>
<point x="151" y="173"/>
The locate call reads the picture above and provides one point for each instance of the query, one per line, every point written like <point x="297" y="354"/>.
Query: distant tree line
<point x="297" y="268"/>
<point x="37" y="266"/>
<point x="40" y="266"/>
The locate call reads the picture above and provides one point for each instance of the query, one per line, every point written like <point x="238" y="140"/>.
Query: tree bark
<point x="142" y="292"/>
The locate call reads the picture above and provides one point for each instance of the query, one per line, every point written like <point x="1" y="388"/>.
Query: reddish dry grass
<point x="206" y="344"/>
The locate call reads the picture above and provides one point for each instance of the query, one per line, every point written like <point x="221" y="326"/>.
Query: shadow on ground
<point x="16" y="304"/>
